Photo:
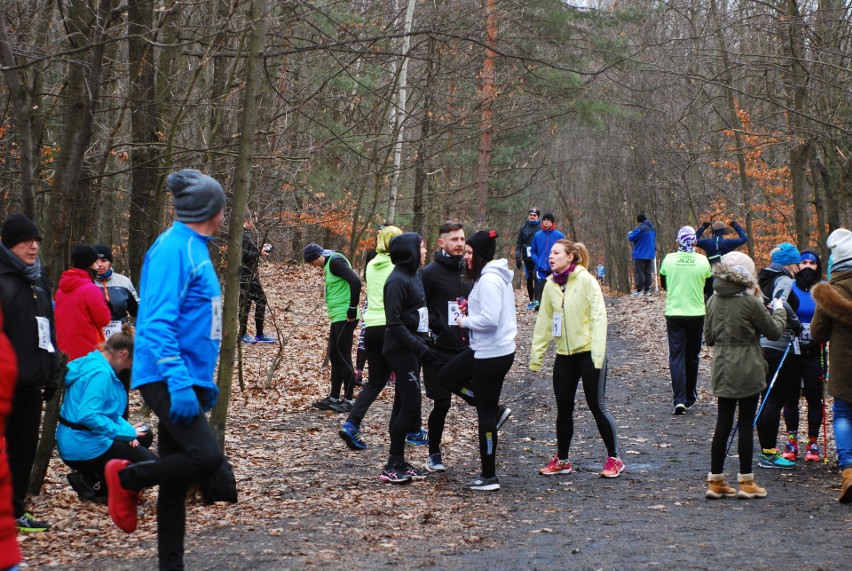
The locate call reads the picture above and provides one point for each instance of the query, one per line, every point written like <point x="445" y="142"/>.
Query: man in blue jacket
<point x="177" y="345"/>
<point x="644" y="238"/>
<point x="542" y="242"/>
<point x="717" y="246"/>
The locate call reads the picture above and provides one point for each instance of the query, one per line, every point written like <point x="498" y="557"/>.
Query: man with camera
<point x="250" y="288"/>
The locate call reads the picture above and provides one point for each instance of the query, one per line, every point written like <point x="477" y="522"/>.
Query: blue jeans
<point x="843" y="432"/>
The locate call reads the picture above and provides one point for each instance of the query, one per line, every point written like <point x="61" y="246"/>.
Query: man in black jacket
<point x="250" y="288"/>
<point x="444" y="283"/>
<point x="26" y="300"/>
<point x="523" y="257"/>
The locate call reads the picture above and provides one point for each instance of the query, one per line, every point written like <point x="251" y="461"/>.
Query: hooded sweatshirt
<point x="406" y="316"/>
<point x="491" y="312"/>
<point x="81" y="314"/>
<point x="376" y="275"/>
<point x="444" y="282"/>
<point x="644" y="238"/>
<point x="96" y="399"/>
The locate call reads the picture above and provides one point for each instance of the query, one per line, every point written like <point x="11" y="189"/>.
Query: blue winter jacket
<point x="179" y="326"/>
<point x="542" y="242"/>
<point x="718" y="245"/>
<point x="95" y="398"/>
<point x="644" y="238"/>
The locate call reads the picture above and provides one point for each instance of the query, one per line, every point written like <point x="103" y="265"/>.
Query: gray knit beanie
<point x="196" y="196"/>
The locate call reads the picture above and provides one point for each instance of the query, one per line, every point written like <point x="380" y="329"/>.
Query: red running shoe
<point x="121" y="502"/>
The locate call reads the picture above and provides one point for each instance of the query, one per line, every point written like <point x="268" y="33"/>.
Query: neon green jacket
<point x="583" y="319"/>
<point x="376" y="275"/>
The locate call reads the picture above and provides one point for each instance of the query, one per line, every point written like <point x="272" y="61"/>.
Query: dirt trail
<point x="309" y="502"/>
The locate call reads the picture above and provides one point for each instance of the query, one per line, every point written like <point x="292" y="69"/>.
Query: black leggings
<point x="810" y="370"/>
<point x="379" y="374"/>
<point x="405" y="415"/>
<point x="340" y="355"/>
<point x="567" y="372"/>
<point x="442" y="382"/>
<point x="785" y="385"/>
<point x="529" y="267"/>
<point x="724" y="423"/>
<point x="93" y="470"/>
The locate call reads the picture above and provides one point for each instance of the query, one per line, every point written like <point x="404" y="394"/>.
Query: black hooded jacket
<point x="403" y="296"/>
<point x="443" y="282"/>
<point x="24" y="300"/>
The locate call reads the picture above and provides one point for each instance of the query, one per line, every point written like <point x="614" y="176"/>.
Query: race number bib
<point x="111" y="328"/>
<point x="423" y="326"/>
<point x="216" y="319"/>
<point x="806" y="333"/>
<point x="453" y="312"/>
<point x="529" y="251"/>
<point x="44" y="341"/>
<point x="557" y="325"/>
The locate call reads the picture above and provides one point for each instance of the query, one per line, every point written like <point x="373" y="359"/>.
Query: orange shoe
<point x="556" y="466"/>
<point x="613" y="468"/>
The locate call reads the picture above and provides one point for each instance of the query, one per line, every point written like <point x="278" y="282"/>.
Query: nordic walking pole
<point x="763" y="402"/>
<point x="824" y="415"/>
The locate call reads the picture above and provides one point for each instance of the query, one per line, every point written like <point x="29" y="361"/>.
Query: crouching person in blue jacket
<point x="179" y="329"/>
<point x="91" y="428"/>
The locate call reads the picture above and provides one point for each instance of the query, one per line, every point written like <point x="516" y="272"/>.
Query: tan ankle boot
<point x="749" y="488"/>
<point x="718" y="488"/>
<point x="846" y="489"/>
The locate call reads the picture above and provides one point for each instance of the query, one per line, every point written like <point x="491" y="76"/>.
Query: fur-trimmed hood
<point x="728" y="281"/>
<point x="835" y="297"/>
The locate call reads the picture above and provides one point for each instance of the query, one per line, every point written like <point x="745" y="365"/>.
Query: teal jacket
<point x="96" y="399"/>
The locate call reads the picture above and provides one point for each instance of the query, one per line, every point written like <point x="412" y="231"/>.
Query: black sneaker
<point x="481" y="484"/>
<point x="503" y="414"/>
<point x="394" y="475"/>
<point x="343" y="405"/>
<point x="30" y="525"/>
<point x="434" y="463"/>
<point x="679" y="410"/>
<point x="415" y="472"/>
<point x="328" y="403"/>
<point x="86" y="492"/>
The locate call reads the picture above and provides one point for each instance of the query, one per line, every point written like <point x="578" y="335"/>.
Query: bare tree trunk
<point x="488" y="94"/>
<point x="242" y="184"/>
<point x="420" y="177"/>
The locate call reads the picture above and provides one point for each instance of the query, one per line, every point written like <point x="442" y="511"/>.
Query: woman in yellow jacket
<point x="573" y="314"/>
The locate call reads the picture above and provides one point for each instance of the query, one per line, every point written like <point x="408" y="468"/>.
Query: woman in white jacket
<point x="490" y="320"/>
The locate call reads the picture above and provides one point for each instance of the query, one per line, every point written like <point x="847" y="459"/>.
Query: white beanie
<point x="840" y="244"/>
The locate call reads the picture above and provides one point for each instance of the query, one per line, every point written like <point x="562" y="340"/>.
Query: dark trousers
<point x="93" y="470"/>
<point x="529" y="272"/>
<point x="811" y="373"/>
<point x="379" y="374"/>
<point x="644" y="270"/>
<point x="187" y="454"/>
<point x="684" y="335"/>
<point x="449" y="374"/>
<point x="539" y="286"/>
<point x="786" y="384"/>
<point x="724" y="423"/>
<point x="252" y="292"/>
<point x="21" y="442"/>
<point x="567" y="372"/>
<point x="340" y="355"/>
<point x="405" y="415"/>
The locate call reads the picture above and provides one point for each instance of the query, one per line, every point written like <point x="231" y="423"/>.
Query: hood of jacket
<point x="405" y="252"/>
<point x="84" y="368"/>
<point x="830" y="299"/>
<point x="454" y="262"/>
<point x="73" y="279"/>
<point x="381" y="261"/>
<point x="648" y="226"/>
<point x="728" y="282"/>
<point x="500" y="268"/>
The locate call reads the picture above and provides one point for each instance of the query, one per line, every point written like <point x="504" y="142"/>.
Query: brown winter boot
<point x="718" y="488"/>
<point x="749" y="488"/>
<point x="846" y="489"/>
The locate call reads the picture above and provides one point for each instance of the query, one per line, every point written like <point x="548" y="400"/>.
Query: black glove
<point x="48" y="393"/>
<point x="519" y="263"/>
<point x="352" y="313"/>
<point x="733" y="224"/>
<point x="705" y="225"/>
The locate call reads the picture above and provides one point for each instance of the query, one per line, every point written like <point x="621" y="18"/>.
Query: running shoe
<point x="328" y="403"/>
<point x="86" y="492"/>
<point x="122" y="503"/>
<point x="481" y="484"/>
<point x="248" y="339"/>
<point x="679" y="410"/>
<point x="771" y="458"/>
<point x="434" y="463"/>
<point x="418" y="438"/>
<point x="394" y="475"/>
<point x="415" y="472"/>
<point x="812" y="453"/>
<point x="556" y="466"/>
<point x="613" y="468"/>
<point x="503" y="414"/>
<point x="351" y="435"/>
<point x="343" y="405"/>
<point x="29" y="524"/>
<point x="532" y="305"/>
<point x="791" y="448"/>
<point x="264" y="338"/>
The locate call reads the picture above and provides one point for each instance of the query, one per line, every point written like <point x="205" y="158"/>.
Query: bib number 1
<point x="557" y="325"/>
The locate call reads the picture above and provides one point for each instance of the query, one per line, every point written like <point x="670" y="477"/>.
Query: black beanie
<point x="548" y="216"/>
<point x="104" y="252"/>
<point x="641" y="218"/>
<point x="18" y="228"/>
<point x="83" y="256"/>
<point x="484" y="243"/>
<point x="312" y="252"/>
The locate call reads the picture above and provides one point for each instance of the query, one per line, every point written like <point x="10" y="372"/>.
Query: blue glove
<point x="209" y="397"/>
<point x="184" y="407"/>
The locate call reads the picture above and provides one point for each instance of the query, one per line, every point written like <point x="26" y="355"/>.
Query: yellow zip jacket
<point x="583" y="319"/>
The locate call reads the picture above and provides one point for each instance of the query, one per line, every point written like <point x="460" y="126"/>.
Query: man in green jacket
<point x="342" y="292"/>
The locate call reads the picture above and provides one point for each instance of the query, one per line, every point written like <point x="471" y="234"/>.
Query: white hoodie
<point x="491" y="312"/>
